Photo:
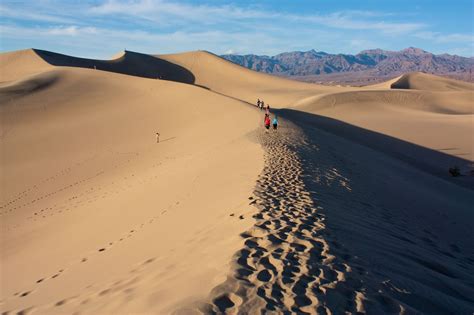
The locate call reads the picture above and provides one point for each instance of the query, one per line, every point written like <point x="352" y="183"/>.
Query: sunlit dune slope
<point x="424" y="81"/>
<point x="18" y="64"/>
<point x="437" y="120"/>
<point x="233" y="80"/>
<point x="89" y="198"/>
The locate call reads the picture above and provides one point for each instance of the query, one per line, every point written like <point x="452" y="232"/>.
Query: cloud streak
<point x="32" y="15"/>
<point x="169" y="26"/>
<point x="158" y="10"/>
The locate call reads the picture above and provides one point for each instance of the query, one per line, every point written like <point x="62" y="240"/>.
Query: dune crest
<point x="129" y="63"/>
<point x="424" y="81"/>
<point x="17" y="64"/>
<point x="227" y="78"/>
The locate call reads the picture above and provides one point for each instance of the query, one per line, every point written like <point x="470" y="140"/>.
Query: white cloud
<point x="343" y="20"/>
<point x="70" y="30"/>
<point x="138" y="40"/>
<point x="32" y="15"/>
<point x="158" y="10"/>
<point x="161" y="10"/>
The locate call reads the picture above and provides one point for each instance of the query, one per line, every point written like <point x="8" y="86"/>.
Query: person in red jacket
<point x="267" y="121"/>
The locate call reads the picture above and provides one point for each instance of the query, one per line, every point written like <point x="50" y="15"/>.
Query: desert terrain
<point x="347" y="208"/>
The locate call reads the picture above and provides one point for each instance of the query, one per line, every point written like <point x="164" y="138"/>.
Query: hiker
<point x="267" y="110"/>
<point x="157" y="137"/>
<point x="258" y="103"/>
<point x="275" y="122"/>
<point x="262" y="104"/>
<point x="267" y="122"/>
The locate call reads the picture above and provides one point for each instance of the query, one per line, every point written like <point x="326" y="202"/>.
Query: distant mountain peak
<point x="414" y="50"/>
<point x="374" y="51"/>
<point x="372" y="62"/>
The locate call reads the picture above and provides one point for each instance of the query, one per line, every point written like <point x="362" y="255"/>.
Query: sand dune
<point x="411" y="115"/>
<point x="93" y="212"/>
<point x="383" y="85"/>
<point x="127" y="62"/>
<point x="18" y="64"/>
<point x="346" y="229"/>
<point x="230" y="79"/>
<point x="424" y="81"/>
<point x="353" y="210"/>
<point x="201" y="68"/>
<point x="29" y="84"/>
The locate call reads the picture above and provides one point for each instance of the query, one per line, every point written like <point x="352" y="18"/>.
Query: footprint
<point x="223" y="302"/>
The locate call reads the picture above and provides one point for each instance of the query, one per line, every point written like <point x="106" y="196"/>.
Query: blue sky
<point x="101" y="28"/>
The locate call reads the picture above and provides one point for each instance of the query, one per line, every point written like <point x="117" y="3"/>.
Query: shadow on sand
<point x="131" y="63"/>
<point x="346" y="229"/>
<point x="392" y="214"/>
<point x="430" y="161"/>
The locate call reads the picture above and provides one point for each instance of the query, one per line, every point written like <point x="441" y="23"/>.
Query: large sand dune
<point x="441" y="121"/>
<point x="353" y="210"/>
<point x="18" y="64"/>
<point x="224" y="77"/>
<point x="94" y="211"/>
<point x="424" y="81"/>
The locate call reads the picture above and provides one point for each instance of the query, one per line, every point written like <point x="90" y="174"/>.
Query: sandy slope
<point x="383" y="85"/>
<point x="424" y="81"/>
<point x="230" y="79"/>
<point x="18" y="64"/>
<point x="441" y="120"/>
<point x="354" y="210"/>
<point x="81" y="172"/>
<point x="344" y="229"/>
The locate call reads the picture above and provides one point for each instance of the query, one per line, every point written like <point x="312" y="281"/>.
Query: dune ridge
<point x="424" y="81"/>
<point x="16" y="65"/>
<point x="300" y="255"/>
<point x="227" y="78"/>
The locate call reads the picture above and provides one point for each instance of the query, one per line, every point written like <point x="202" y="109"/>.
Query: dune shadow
<point x="130" y="63"/>
<point x="404" y="223"/>
<point x="428" y="160"/>
<point x="29" y="85"/>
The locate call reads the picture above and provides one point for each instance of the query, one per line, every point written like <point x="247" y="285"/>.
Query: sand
<point x="348" y="207"/>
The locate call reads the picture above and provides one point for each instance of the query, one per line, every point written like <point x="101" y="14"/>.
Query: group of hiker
<point x="267" y="120"/>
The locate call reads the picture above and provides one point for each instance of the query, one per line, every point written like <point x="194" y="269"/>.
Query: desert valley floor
<point x="347" y="208"/>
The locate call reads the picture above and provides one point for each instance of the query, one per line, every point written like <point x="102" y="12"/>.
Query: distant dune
<point x="423" y="81"/>
<point x="347" y="208"/>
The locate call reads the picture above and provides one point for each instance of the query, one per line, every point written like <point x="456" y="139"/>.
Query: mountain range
<point x="368" y="66"/>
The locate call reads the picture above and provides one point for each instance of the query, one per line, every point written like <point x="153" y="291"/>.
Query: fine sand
<point x="348" y="207"/>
